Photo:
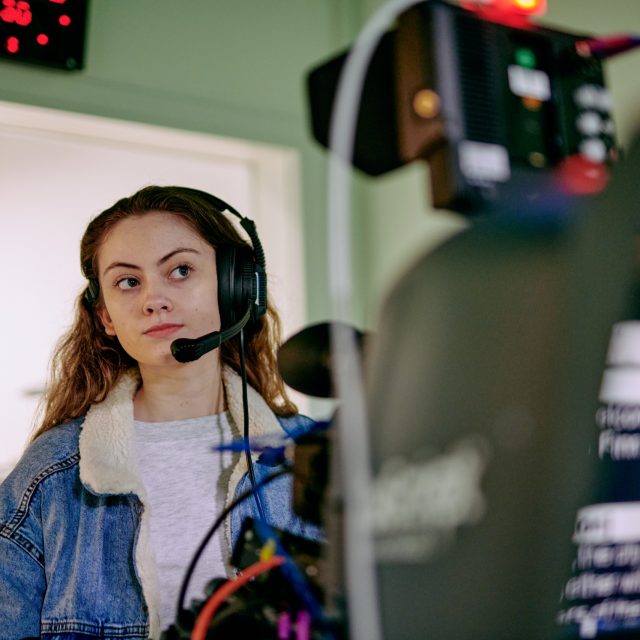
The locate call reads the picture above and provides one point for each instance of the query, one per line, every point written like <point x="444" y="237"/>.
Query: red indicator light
<point x="42" y="38"/>
<point x="64" y="20"/>
<point x="508" y="7"/>
<point x="530" y="7"/>
<point x="12" y="44"/>
<point x="582" y="176"/>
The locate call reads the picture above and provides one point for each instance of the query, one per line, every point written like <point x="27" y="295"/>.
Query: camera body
<point x="494" y="107"/>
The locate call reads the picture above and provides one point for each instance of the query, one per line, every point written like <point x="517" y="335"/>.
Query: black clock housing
<point x="44" y="32"/>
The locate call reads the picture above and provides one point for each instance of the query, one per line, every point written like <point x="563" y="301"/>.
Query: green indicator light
<point x="526" y="58"/>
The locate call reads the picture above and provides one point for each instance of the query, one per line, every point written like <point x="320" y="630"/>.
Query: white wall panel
<point x="58" y="170"/>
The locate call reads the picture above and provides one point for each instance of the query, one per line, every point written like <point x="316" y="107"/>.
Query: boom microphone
<point x="190" y="349"/>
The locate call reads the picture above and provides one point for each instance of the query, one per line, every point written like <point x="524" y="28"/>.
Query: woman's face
<point x="159" y="282"/>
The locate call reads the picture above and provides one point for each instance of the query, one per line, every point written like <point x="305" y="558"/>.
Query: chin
<point x="160" y="357"/>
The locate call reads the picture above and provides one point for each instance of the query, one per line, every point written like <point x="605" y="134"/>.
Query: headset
<point x="242" y="286"/>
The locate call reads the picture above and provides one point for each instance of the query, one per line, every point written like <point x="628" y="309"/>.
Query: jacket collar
<point x="108" y="463"/>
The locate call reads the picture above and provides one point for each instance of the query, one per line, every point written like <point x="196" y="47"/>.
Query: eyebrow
<point x="128" y="265"/>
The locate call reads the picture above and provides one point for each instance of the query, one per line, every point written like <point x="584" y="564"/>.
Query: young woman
<point x="103" y="513"/>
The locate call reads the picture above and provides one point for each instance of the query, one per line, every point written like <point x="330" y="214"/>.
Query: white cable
<point x="360" y="573"/>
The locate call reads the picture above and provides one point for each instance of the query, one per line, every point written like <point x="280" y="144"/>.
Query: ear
<point x="105" y="318"/>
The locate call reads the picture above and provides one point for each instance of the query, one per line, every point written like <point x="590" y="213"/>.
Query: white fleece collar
<point x="107" y="447"/>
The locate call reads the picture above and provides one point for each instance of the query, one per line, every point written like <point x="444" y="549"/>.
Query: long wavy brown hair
<point x="86" y="362"/>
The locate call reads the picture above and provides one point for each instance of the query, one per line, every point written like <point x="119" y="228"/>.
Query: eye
<point x="181" y="271"/>
<point x="127" y="283"/>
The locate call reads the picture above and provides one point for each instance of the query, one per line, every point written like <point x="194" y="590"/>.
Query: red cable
<point x="607" y="46"/>
<point x="204" y="617"/>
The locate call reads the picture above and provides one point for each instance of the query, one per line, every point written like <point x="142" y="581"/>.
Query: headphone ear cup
<point x="92" y="292"/>
<point x="225" y="260"/>
<point x="237" y="285"/>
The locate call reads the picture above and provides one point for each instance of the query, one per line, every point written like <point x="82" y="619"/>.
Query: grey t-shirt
<point x="186" y="482"/>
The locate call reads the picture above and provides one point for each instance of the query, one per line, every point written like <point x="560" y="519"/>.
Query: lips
<point x="162" y="330"/>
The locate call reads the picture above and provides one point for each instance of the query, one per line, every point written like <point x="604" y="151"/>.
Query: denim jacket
<point x="75" y="555"/>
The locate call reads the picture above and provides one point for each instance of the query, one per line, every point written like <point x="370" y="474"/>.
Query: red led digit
<point x="8" y="14"/>
<point x="42" y="38"/>
<point x="23" y="13"/>
<point x="12" y="44"/>
<point x="16" y="12"/>
<point x="64" y="20"/>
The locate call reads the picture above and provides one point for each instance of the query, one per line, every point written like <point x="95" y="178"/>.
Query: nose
<point x="155" y="299"/>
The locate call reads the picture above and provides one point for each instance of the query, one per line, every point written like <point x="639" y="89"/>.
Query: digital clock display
<point x="44" y="32"/>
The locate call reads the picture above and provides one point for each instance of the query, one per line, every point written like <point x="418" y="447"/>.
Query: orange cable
<point x="204" y="617"/>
